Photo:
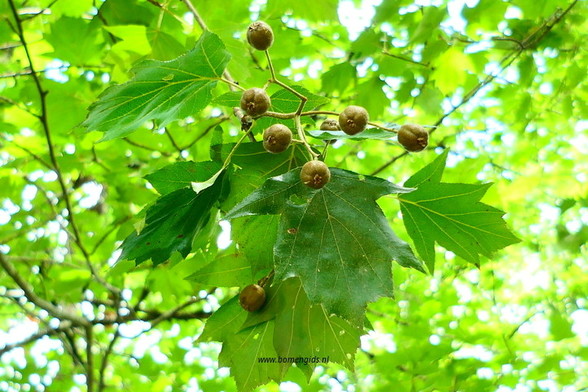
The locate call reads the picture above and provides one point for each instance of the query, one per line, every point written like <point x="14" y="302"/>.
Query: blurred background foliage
<point x="504" y="81"/>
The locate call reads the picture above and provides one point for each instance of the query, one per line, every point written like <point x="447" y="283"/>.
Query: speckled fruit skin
<point x="252" y="297"/>
<point x="277" y="138"/>
<point x="255" y="101"/>
<point x="330" y="125"/>
<point x="353" y="119"/>
<point x="315" y="174"/>
<point x="413" y="137"/>
<point x="260" y="35"/>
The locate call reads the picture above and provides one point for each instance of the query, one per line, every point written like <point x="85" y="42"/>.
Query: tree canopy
<point x="156" y="235"/>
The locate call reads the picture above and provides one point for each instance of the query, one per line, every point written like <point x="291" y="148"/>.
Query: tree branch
<point x="226" y="73"/>
<point x="530" y="41"/>
<point x="105" y="357"/>
<point x="34" y="338"/>
<point x="89" y="359"/>
<point x="45" y="125"/>
<point x="38" y="301"/>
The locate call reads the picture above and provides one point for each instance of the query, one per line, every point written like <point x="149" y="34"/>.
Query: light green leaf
<point x="451" y="215"/>
<point x="242" y="352"/>
<point x="181" y="174"/>
<point x="230" y="270"/>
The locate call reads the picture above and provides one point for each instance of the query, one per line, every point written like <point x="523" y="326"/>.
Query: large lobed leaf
<point x="171" y="224"/>
<point x="336" y="239"/>
<point x="287" y="328"/>
<point x="162" y="91"/>
<point x="452" y="215"/>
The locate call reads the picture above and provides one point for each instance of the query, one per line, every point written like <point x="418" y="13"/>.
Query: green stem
<point x="302" y="137"/>
<point x="232" y="84"/>
<point x="232" y="152"/>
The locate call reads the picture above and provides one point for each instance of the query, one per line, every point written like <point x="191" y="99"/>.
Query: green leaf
<point x="230" y="99"/>
<point x="85" y="49"/>
<point x="284" y="101"/>
<point x="181" y="174"/>
<point x="256" y="165"/>
<point x="171" y="224"/>
<point x="256" y="236"/>
<point x="242" y="352"/>
<point x="371" y="96"/>
<point x="224" y="322"/>
<point x="162" y="91"/>
<point x="370" y="133"/>
<point x="303" y="330"/>
<point x="432" y="17"/>
<point x="230" y="270"/>
<point x="338" y="77"/>
<point x="559" y="326"/>
<point x="452" y="215"/>
<point x="335" y="239"/>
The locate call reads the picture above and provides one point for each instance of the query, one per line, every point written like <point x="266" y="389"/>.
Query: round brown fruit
<point x="260" y="35"/>
<point x="413" y="137"/>
<point x="255" y="101"/>
<point x="252" y="297"/>
<point x="315" y="174"/>
<point x="277" y="138"/>
<point x="330" y="125"/>
<point x="353" y="119"/>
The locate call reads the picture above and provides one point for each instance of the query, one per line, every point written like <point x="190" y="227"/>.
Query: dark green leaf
<point x="162" y="91"/>
<point x="335" y="239"/>
<point x="171" y="224"/>
<point x="304" y="330"/>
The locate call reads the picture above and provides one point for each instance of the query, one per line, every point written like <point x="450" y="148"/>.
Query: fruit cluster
<point x="315" y="174"/>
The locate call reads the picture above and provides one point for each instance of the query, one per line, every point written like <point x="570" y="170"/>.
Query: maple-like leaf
<point x="162" y="91"/>
<point x="171" y="224"/>
<point x="304" y="330"/>
<point x="295" y="328"/>
<point x="336" y="239"/>
<point x="452" y="215"/>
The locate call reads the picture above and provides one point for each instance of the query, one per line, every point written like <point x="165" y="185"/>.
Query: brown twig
<point x="530" y="41"/>
<point x="38" y="301"/>
<point x="77" y="239"/>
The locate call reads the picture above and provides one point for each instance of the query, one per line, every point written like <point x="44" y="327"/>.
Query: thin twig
<point x="144" y="147"/>
<point x="173" y="142"/>
<point x="90" y="359"/>
<point x="205" y="132"/>
<point x="530" y="41"/>
<point x="33" y="338"/>
<point x="407" y="59"/>
<point x="227" y="78"/>
<point x="105" y="357"/>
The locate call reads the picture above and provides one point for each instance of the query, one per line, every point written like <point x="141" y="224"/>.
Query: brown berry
<point x="255" y="101"/>
<point x="252" y="297"/>
<point x="413" y="137"/>
<point x="353" y="119"/>
<point x="277" y="138"/>
<point x="260" y="35"/>
<point x="330" y="125"/>
<point x="315" y="174"/>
